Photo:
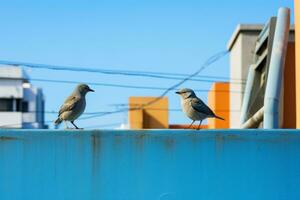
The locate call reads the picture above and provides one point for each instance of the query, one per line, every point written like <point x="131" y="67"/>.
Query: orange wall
<point x="289" y="99"/>
<point x="218" y="101"/>
<point x="297" y="39"/>
<point x="150" y="117"/>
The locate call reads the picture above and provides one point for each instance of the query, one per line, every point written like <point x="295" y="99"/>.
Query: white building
<point x="21" y="104"/>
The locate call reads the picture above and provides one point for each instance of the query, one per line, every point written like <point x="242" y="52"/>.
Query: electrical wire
<point x="124" y="86"/>
<point x="162" y="75"/>
<point x="101" y="112"/>
<point x="207" y="63"/>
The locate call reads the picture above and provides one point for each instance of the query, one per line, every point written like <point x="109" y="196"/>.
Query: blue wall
<point x="154" y="164"/>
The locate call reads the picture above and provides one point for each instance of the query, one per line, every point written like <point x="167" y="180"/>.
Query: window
<point x="6" y="105"/>
<point x="24" y="106"/>
<point x="18" y="105"/>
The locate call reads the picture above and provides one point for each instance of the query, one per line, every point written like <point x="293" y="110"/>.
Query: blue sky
<point x="157" y="35"/>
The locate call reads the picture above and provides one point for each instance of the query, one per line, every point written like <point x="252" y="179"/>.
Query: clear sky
<point x="156" y="35"/>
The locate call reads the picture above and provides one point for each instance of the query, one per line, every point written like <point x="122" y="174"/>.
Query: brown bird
<point x="73" y="106"/>
<point x="194" y="107"/>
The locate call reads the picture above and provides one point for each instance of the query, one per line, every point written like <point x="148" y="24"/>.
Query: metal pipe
<point x="247" y="94"/>
<point x="275" y="74"/>
<point x="255" y="120"/>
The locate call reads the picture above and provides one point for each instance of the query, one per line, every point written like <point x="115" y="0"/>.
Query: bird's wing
<point x="200" y="106"/>
<point x="69" y="104"/>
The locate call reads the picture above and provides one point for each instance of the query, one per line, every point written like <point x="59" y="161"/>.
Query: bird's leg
<point x="199" y="125"/>
<point x="66" y="125"/>
<point x="74" y="124"/>
<point x="191" y="124"/>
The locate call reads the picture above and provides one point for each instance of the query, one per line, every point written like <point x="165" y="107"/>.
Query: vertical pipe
<point x="247" y="94"/>
<point x="275" y="74"/>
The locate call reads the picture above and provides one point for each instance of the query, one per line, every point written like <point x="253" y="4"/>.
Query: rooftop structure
<point x="242" y="46"/>
<point x="21" y="104"/>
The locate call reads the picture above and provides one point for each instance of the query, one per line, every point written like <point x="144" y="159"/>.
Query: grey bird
<point x="73" y="106"/>
<point x="194" y="107"/>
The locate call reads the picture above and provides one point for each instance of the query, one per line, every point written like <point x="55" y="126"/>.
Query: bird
<point x="194" y="107"/>
<point x="73" y="106"/>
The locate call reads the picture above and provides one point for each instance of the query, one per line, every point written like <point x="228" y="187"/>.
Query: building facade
<point x="21" y="104"/>
<point x="242" y="47"/>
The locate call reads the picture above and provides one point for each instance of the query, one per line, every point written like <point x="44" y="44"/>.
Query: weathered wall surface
<point x="156" y="164"/>
<point x="297" y="56"/>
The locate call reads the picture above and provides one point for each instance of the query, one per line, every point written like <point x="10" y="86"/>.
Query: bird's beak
<point x="91" y="90"/>
<point x="177" y="92"/>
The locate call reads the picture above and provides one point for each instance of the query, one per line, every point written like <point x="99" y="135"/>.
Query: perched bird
<point x="73" y="106"/>
<point x="194" y="107"/>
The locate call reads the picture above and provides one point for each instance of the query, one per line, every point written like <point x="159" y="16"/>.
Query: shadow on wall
<point x="151" y="122"/>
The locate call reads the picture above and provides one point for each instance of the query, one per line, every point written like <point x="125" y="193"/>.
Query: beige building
<point x="241" y="47"/>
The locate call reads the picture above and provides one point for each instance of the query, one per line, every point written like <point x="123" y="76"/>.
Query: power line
<point x="102" y="113"/>
<point x="207" y="63"/>
<point x="123" y="86"/>
<point x="185" y="75"/>
<point x="55" y="112"/>
<point x="160" y="75"/>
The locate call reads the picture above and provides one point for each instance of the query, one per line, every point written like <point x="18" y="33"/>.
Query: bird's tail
<point x="219" y="117"/>
<point x="57" y="121"/>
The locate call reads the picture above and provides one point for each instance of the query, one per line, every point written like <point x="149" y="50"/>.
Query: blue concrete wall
<point x="142" y="165"/>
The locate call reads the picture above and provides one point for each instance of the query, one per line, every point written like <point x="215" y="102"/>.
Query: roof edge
<point x="241" y="28"/>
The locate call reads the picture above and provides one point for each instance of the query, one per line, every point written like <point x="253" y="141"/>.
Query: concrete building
<point x="21" y="104"/>
<point x="242" y="47"/>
